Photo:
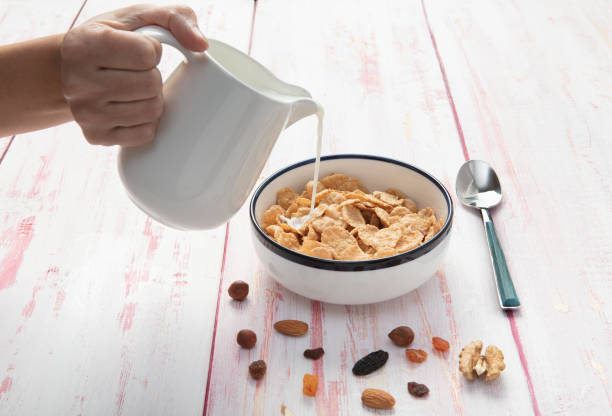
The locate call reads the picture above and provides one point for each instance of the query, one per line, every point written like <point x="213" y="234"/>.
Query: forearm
<point x="30" y="86"/>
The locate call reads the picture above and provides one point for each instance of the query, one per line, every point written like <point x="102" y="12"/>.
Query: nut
<point x="468" y="358"/>
<point x="481" y="366"/>
<point x="238" y="290"/>
<point x="402" y="336"/>
<point x="377" y="399"/>
<point x="246" y="338"/>
<point x="291" y="327"/>
<point x="491" y="364"/>
<point x="495" y="362"/>
<point x="257" y="369"/>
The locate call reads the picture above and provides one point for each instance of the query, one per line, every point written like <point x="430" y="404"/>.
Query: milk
<point x="299" y="222"/>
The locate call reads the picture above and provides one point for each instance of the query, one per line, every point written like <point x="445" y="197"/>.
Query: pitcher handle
<point x="164" y="36"/>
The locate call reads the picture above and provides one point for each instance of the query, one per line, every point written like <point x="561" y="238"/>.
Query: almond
<point x="377" y="399"/>
<point x="291" y="327"/>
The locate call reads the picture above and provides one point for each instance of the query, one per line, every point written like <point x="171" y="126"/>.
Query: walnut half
<point x="491" y="364"/>
<point x="468" y="358"/>
<point x="495" y="362"/>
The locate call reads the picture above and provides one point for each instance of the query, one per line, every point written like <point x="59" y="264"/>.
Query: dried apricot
<point x="440" y="344"/>
<point x="310" y="384"/>
<point x="416" y="356"/>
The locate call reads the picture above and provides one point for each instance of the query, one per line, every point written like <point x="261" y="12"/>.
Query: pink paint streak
<point x="448" y="367"/>
<point x="448" y="303"/>
<point x="29" y="308"/>
<point x="127" y="316"/>
<point x="59" y="300"/>
<point x="497" y="142"/>
<point x="19" y="240"/>
<point x="449" y="94"/>
<point x="264" y="352"/>
<point x="5" y="386"/>
<point x="212" y="348"/>
<point x="154" y="235"/>
<point x="316" y="341"/>
<point x="335" y="390"/>
<point x="370" y="72"/>
<point x="513" y="326"/>
<point x="41" y="175"/>
<point x="135" y="275"/>
<point x="453" y="376"/>
<point x="521" y="352"/>
<point x="124" y="377"/>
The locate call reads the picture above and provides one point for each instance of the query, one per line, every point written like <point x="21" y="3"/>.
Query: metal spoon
<point x="477" y="186"/>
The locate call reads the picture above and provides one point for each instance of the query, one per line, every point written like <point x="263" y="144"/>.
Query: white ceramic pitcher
<point x="223" y="112"/>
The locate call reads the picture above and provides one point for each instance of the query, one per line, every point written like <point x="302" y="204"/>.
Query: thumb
<point x="180" y="20"/>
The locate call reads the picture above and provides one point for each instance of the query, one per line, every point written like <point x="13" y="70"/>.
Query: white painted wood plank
<point x="23" y="20"/>
<point x="532" y="84"/>
<point x="19" y="21"/>
<point x="373" y="68"/>
<point x="104" y="311"/>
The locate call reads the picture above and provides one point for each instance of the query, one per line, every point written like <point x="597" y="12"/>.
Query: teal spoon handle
<point x="508" y="299"/>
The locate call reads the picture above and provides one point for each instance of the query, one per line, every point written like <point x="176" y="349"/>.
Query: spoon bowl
<point x="478" y="187"/>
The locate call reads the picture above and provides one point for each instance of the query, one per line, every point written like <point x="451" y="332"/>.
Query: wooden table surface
<point x="105" y="312"/>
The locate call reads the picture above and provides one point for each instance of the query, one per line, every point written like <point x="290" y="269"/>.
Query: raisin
<point x="257" y="369"/>
<point x="416" y="356"/>
<point x="314" y="354"/>
<point x="310" y="384"/>
<point x="370" y="363"/>
<point x="402" y="336"/>
<point x="417" y="390"/>
<point x="440" y="344"/>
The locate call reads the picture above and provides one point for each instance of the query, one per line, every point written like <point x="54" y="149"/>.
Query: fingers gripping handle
<point x="164" y="36"/>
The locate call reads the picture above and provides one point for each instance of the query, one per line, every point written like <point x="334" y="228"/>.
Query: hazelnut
<point x="402" y="336"/>
<point x="238" y="290"/>
<point x="257" y="369"/>
<point x="246" y="338"/>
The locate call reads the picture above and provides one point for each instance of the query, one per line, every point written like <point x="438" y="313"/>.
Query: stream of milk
<point x="299" y="222"/>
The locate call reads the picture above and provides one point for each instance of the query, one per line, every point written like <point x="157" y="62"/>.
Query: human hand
<point x="109" y="73"/>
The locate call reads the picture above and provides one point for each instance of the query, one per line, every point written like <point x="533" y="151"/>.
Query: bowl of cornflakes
<point x="379" y="228"/>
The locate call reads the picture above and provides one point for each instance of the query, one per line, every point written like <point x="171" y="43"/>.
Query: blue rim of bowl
<point x="359" y="265"/>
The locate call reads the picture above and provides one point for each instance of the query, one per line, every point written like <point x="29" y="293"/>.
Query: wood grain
<point x="20" y="22"/>
<point x="107" y="312"/>
<point x="104" y="311"/>
<point x="531" y="82"/>
<point x="374" y="70"/>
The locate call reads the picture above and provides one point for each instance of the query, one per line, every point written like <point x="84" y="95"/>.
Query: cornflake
<point x="349" y="223"/>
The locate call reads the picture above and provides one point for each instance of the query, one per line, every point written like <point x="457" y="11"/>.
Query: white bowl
<point x="354" y="282"/>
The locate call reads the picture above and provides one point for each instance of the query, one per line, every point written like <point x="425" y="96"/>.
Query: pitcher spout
<point x="301" y="108"/>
